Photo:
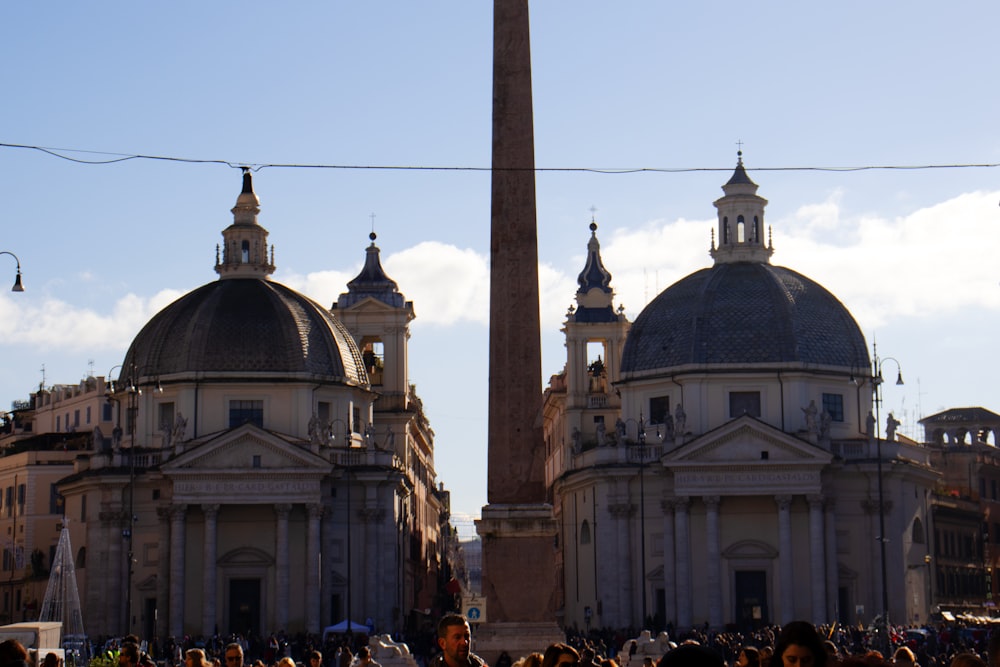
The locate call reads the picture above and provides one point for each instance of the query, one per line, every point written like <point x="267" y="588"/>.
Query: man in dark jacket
<point x="455" y="639"/>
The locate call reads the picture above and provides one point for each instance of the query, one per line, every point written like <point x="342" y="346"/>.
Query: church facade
<point x="260" y="463"/>
<point x="717" y="462"/>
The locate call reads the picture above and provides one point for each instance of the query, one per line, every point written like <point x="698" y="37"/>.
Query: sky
<point x="341" y="87"/>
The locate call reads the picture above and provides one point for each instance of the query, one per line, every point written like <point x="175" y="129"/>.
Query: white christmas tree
<point x="62" y="598"/>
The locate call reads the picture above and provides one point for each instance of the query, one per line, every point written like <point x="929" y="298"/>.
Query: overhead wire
<point x="255" y="167"/>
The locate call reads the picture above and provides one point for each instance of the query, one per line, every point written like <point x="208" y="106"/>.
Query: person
<point x="365" y="658"/>
<point x="286" y="662"/>
<point x="993" y="649"/>
<point x="904" y="657"/>
<point x="195" y="657"/>
<point x="128" y="656"/>
<point x="13" y="654"/>
<point x="748" y="657"/>
<point x="234" y="655"/>
<point x="560" y="655"/>
<point x="532" y="660"/>
<point x="967" y="660"/>
<point x="455" y="639"/>
<point x="810" y="414"/>
<point x="51" y="660"/>
<point x="503" y="660"/>
<point x="692" y="655"/>
<point x="315" y="659"/>
<point x="799" y="645"/>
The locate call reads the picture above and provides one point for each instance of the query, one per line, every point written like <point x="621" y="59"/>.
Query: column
<point x="162" y="571"/>
<point x="785" y="558"/>
<point x="281" y="566"/>
<point x="683" y="543"/>
<point x="832" y="566"/>
<point x="209" y="559"/>
<point x="178" y="527"/>
<point x="714" y="561"/>
<point x="326" y="578"/>
<point x="315" y="512"/>
<point x="115" y="613"/>
<point x="817" y="567"/>
<point x="669" y="563"/>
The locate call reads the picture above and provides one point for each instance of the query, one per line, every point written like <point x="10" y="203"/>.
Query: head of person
<point x="128" y="655"/>
<point x="315" y="659"/>
<point x="12" y="652"/>
<point x="532" y="660"/>
<point x="234" y="655"/>
<point x="286" y="662"/>
<point x="692" y="655"/>
<point x="748" y="657"/>
<point x="904" y="657"/>
<point x="51" y="660"/>
<point x="454" y="639"/>
<point x="364" y="654"/>
<point x="195" y="657"/>
<point x="560" y="655"/>
<point x="799" y="645"/>
<point x="967" y="660"/>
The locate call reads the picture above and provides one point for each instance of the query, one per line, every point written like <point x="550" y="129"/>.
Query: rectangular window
<point x="83" y="509"/>
<point x="56" y="501"/>
<point x="76" y="418"/>
<point x="659" y="408"/>
<point x="106" y="412"/>
<point x="244" y="412"/>
<point x="834" y="406"/>
<point x="9" y="500"/>
<point x="256" y="461"/>
<point x="744" y="402"/>
<point x="21" y="488"/>
<point x="58" y="423"/>
<point x="356" y="420"/>
<point x="165" y="416"/>
<point x="88" y="414"/>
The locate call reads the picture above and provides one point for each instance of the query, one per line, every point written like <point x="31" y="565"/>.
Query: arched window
<point x="245" y="253"/>
<point x="741" y="230"/>
<point x="81" y="558"/>
<point x="725" y="230"/>
<point x="756" y="229"/>
<point x="918" y="531"/>
<point x="585" y="532"/>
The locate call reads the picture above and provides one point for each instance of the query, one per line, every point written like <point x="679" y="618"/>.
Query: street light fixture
<point x="347" y="476"/>
<point x="18" y="287"/>
<point x="877" y="381"/>
<point x="641" y="442"/>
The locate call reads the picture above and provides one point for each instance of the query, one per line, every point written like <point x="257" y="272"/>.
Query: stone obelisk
<point x="517" y="526"/>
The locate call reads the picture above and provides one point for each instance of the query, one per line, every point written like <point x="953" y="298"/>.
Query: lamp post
<point x="877" y="381"/>
<point x="18" y="287"/>
<point x="641" y="442"/>
<point x="133" y="391"/>
<point x="347" y="476"/>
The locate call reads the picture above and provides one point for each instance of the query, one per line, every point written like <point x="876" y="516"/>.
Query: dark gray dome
<point x="744" y="313"/>
<point x="246" y="326"/>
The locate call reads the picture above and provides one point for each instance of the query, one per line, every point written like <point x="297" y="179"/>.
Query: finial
<point x="372" y="237"/>
<point x="739" y="151"/>
<point x="247" y="180"/>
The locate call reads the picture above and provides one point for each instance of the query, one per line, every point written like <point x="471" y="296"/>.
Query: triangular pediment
<point x="746" y="456"/>
<point x="245" y="448"/>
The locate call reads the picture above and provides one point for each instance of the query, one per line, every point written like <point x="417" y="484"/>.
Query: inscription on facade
<point x="752" y="480"/>
<point x="244" y="486"/>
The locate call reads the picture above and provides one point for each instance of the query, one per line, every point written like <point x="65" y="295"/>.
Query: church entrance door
<point x="244" y="606"/>
<point x="751" y="599"/>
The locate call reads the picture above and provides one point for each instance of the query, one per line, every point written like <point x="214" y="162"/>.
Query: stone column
<point x="619" y="612"/>
<point x="116" y="560"/>
<point x="209" y="558"/>
<point x="683" y="521"/>
<point x="785" y="558"/>
<point x="178" y="527"/>
<point x="713" y="561"/>
<point x="817" y="562"/>
<point x="832" y="565"/>
<point x="163" y="572"/>
<point x="669" y="562"/>
<point x="281" y="566"/>
<point x="315" y="512"/>
<point x="326" y="577"/>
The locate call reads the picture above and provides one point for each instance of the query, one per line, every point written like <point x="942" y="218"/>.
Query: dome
<point x="247" y="326"/>
<point x="744" y="313"/>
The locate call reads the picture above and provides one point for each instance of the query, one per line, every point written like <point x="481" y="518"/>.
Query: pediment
<point x="237" y="449"/>
<point x="746" y="456"/>
<point x="746" y="440"/>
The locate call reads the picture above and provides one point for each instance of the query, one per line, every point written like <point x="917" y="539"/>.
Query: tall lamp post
<point x="133" y="391"/>
<point x="877" y="381"/>
<point x="347" y="477"/>
<point x="641" y="443"/>
<point x="18" y="287"/>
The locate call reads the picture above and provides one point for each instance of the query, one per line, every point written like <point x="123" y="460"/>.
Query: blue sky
<point x="642" y="84"/>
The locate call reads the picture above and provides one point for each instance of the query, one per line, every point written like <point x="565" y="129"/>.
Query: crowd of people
<point x="796" y="644"/>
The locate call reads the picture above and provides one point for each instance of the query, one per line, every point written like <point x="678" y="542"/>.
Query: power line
<point x="113" y="158"/>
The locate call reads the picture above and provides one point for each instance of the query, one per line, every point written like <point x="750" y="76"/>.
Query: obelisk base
<point x="519" y="580"/>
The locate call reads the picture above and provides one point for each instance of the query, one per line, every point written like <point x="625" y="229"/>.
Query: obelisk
<point x="517" y="526"/>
